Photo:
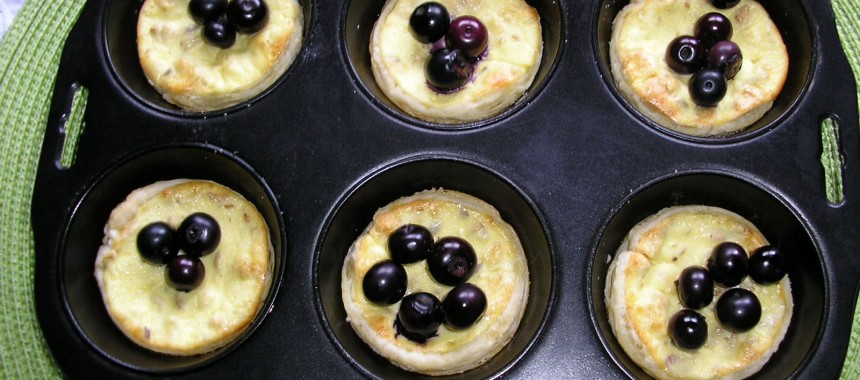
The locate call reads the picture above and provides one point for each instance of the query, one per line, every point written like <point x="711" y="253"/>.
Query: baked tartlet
<point x="197" y="76"/>
<point x="238" y="275"/>
<point x="643" y="30"/>
<point x="500" y="78"/>
<point x="501" y="272"/>
<point x="641" y="296"/>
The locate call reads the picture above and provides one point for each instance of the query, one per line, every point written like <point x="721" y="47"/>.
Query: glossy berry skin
<point x="767" y="265"/>
<point x="738" y="310"/>
<point x="419" y="316"/>
<point x="728" y="264"/>
<point x="452" y="261"/>
<point x="469" y="35"/>
<point x="385" y="283"/>
<point x="199" y="234"/>
<point x="688" y="329"/>
<point x="248" y="16"/>
<point x="685" y="55"/>
<point x="713" y="27"/>
<point x="157" y="243"/>
<point x="429" y="22"/>
<point x="463" y="306"/>
<point x="695" y="287"/>
<point x="726" y="57"/>
<point x="410" y="243"/>
<point x="185" y="273"/>
<point x="708" y="87"/>
<point x="219" y="33"/>
<point x="724" y="4"/>
<point x="447" y="69"/>
<point x="206" y="10"/>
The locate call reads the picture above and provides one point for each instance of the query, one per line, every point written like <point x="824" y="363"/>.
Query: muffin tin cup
<point x="80" y="243"/>
<point x="790" y="18"/>
<point x="778" y="222"/>
<point x="571" y="168"/>
<point x="359" y="18"/>
<point x="120" y="43"/>
<point x="355" y="211"/>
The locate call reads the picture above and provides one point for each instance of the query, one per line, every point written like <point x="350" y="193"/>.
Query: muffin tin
<point x="571" y="167"/>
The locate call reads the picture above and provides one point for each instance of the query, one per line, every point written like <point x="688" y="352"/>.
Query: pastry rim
<point x="514" y="313"/>
<point x="194" y="101"/>
<point x="121" y="215"/>
<point x="641" y="358"/>
<point x="402" y="103"/>
<point x="633" y="98"/>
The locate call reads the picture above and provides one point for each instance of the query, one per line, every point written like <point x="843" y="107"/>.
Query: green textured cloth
<point x="29" y="57"/>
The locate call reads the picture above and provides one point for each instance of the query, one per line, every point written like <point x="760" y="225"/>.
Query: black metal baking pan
<point x="571" y="166"/>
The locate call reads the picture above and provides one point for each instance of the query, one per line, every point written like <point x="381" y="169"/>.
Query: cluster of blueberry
<point x="198" y="235"/>
<point x="222" y="20"/>
<point x="737" y="309"/>
<point x="452" y="59"/>
<point x="710" y="56"/>
<point x="450" y="261"/>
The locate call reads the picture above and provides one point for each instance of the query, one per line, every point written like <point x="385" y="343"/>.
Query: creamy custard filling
<point x="501" y="272"/>
<point x="238" y="272"/>
<point x="641" y="296"/>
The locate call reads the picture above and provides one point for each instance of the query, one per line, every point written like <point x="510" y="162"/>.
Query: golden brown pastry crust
<point x="643" y="30"/>
<point x="514" y="55"/>
<point x="641" y="296"/>
<point x="238" y="272"/>
<point x="502" y="273"/>
<point x="196" y="76"/>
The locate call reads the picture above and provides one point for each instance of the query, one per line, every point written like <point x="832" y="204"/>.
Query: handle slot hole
<point x="71" y="127"/>
<point x="832" y="160"/>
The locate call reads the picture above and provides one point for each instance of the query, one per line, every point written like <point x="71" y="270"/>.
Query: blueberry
<point x="219" y="33"/>
<point x="695" y="287"/>
<point x="688" y="329"/>
<point x="767" y="265"/>
<point x="199" y="234"/>
<point x="410" y="243"/>
<point x="248" y="16"/>
<point x="157" y="243"/>
<point x="419" y="316"/>
<point x="452" y="261"/>
<point x="726" y="57"/>
<point x="463" y="306"/>
<point x="707" y="87"/>
<point x="685" y="55"/>
<point x="728" y="264"/>
<point x="738" y="310"/>
<point x="206" y="10"/>
<point x="185" y="273"/>
<point x="448" y="69"/>
<point x="713" y="27"/>
<point x="385" y="283"/>
<point x="724" y="4"/>
<point x="429" y="22"/>
<point x="469" y="35"/>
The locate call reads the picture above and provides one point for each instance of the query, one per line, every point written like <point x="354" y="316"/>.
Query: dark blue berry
<point x="429" y="22"/>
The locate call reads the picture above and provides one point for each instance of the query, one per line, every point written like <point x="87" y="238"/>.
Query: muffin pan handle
<point x="71" y="125"/>
<point x="71" y="92"/>
<point x="832" y="160"/>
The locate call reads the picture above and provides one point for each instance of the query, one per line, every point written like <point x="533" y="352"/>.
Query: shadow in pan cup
<point x="773" y="218"/>
<point x="84" y="233"/>
<point x="355" y="211"/>
<point x="120" y="38"/>
<point x="360" y="17"/>
<point x="789" y="17"/>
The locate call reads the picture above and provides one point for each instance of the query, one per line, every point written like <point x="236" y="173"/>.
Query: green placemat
<point x="29" y="57"/>
<point x="848" y="23"/>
